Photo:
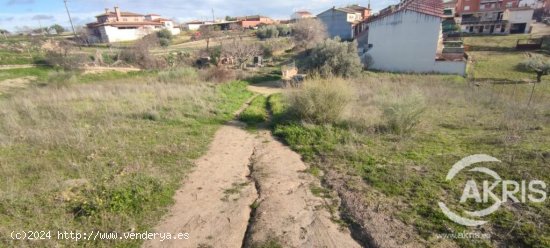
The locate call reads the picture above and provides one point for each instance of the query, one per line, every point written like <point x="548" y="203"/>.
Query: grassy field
<point x="106" y="156"/>
<point x="494" y="58"/>
<point x="405" y="172"/>
<point x="37" y="72"/>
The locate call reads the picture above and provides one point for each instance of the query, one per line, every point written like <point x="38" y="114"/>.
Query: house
<point x="519" y="19"/>
<point x="301" y="15"/>
<point x="117" y="26"/>
<point x="253" y="21"/>
<point x="408" y="38"/>
<point x="487" y="17"/>
<point x="343" y="22"/>
<point x="194" y="25"/>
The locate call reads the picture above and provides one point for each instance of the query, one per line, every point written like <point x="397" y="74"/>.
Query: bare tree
<point x="308" y="32"/>
<point x="241" y="52"/>
<point x="208" y="32"/>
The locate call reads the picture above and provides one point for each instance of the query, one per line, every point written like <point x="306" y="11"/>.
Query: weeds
<point x="321" y="101"/>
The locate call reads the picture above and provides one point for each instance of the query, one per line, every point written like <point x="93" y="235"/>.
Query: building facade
<point x="301" y="15"/>
<point x="343" y="22"/>
<point x="117" y="26"/>
<point x="488" y="16"/>
<point x="408" y="38"/>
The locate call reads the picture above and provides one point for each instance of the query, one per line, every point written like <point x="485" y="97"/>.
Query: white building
<point x="408" y="38"/>
<point x="519" y="19"/>
<point x="120" y="26"/>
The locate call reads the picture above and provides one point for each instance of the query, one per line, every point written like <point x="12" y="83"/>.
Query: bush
<point x="266" y="32"/>
<point x="164" y="42"/>
<point x="183" y="75"/>
<point x="404" y="114"/>
<point x="321" y="101"/>
<point x="140" y="54"/>
<point x="218" y="74"/>
<point x="165" y="34"/>
<point x="333" y="57"/>
<point x="66" y="61"/>
<point x="284" y="30"/>
<point x="61" y="79"/>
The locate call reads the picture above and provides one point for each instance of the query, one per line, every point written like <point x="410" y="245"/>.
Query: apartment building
<point x="493" y="16"/>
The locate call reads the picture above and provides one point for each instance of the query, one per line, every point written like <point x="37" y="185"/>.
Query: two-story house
<point x="488" y="16"/>
<point x="117" y="26"/>
<point x="407" y="37"/>
<point x="342" y="22"/>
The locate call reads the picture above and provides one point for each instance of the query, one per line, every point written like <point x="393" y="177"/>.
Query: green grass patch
<point x="256" y="113"/>
<point x="39" y="73"/>
<point x="105" y="156"/>
<point x="459" y="121"/>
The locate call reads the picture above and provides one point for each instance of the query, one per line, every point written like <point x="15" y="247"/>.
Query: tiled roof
<point x="428" y="7"/>
<point x="121" y="13"/>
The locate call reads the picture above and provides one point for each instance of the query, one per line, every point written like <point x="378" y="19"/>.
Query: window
<point x="509" y="5"/>
<point x="467" y="7"/>
<point x="482" y="6"/>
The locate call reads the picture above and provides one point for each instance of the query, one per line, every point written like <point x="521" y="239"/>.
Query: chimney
<point x="106" y="10"/>
<point x="118" y="15"/>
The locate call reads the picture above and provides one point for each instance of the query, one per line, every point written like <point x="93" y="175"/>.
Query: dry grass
<point x="406" y="175"/>
<point x="105" y="156"/>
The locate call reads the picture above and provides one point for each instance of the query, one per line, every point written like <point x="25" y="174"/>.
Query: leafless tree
<point x="208" y="32"/>
<point x="241" y="52"/>
<point x="308" y="32"/>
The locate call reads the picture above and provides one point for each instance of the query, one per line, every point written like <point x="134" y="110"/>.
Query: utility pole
<point x="70" y="20"/>
<point x="213" y="16"/>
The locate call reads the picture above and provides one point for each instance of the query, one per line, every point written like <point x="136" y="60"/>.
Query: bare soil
<point x="247" y="190"/>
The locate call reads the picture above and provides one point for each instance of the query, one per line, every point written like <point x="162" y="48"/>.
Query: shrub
<point x="183" y="75"/>
<point x="321" y="101"/>
<point x="164" y="42"/>
<point x="404" y="114"/>
<point x="218" y="74"/>
<point x="266" y="32"/>
<point x="140" y="54"/>
<point x="284" y="30"/>
<point x="66" y="61"/>
<point x="61" y="79"/>
<point x="333" y="57"/>
<point x="165" y="34"/>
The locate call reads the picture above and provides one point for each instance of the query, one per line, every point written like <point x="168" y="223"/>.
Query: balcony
<point x="478" y="20"/>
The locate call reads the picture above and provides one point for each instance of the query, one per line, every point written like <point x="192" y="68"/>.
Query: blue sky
<point x="15" y="14"/>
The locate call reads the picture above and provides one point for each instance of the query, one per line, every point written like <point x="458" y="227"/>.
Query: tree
<point x="208" y="32"/>
<point x="538" y="64"/>
<point x="165" y="37"/>
<point x="241" y="52"/>
<point x="308" y="32"/>
<point x="334" y="57"/>
<point x="58" y="28"/>
<point x="267" y="32"/>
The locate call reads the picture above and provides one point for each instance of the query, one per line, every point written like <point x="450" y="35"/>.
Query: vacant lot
<point x="106" y="156"/>
<point x="386" y="173"/>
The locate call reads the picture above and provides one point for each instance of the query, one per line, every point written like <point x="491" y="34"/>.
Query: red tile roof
<point x="428" y="7"/>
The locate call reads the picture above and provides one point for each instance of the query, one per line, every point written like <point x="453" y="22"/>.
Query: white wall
<point x="407" y="41"/>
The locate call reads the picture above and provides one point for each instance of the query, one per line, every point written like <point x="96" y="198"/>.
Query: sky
<point x="18" y="14"/>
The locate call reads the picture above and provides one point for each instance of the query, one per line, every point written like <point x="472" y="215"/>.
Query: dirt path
<point x="247" y="190"/>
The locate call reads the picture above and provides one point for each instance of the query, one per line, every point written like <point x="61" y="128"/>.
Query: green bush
<point x="266" y="32"/>
<point x="284" y="30"/>
<point x="334" y="57"/>
<point x="404" y="114"/>
<point x="183" y="75"/>
<point x="164" y="42"/>
<point x="165" y="34"/>
<point x="321" y="101"/>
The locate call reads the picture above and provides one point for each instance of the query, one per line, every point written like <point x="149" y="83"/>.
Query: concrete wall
<point x="407" y="41"/>
<point x="520" y="16"/>
<point x="113" y="34"/>
<point x="337" y="24"/>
